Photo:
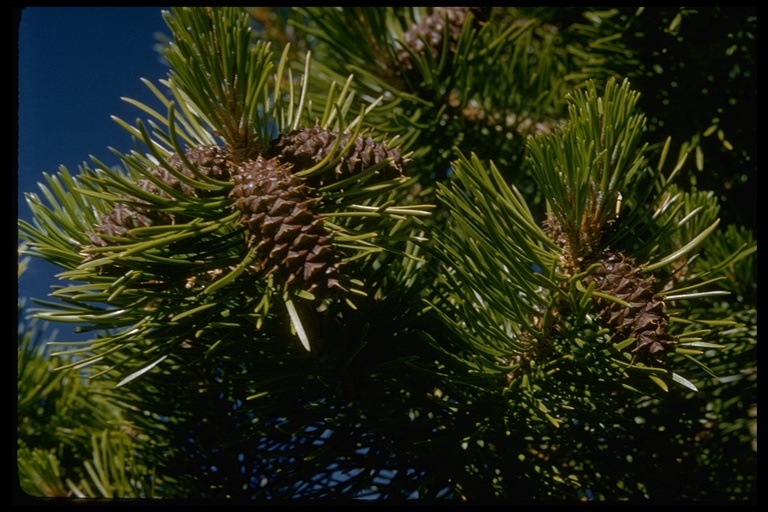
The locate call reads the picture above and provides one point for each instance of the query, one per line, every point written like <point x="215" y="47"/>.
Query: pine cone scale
<point x="645" y="319"/>
<point x="279" y="212"/>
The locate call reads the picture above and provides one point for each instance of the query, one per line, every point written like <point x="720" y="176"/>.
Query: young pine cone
<point x="278" y="210"/>
<point x="645" y="318"/>
<point x="427" y="35"/>
<point x="304" y="148"/>
<point x="211" y="161"/>
<point x="123" y="218"/>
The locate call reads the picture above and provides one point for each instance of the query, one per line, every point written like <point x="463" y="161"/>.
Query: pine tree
<point x="390" y="253"/>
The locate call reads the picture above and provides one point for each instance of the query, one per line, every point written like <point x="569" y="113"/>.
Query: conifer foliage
<point x="390" y="253"/>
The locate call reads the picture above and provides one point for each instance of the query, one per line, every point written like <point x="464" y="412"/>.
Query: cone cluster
<point x="645" y="318"/>
<point x="307" y="147"/>
<point x="278" y="207"/>
<point x="279" y="211"/>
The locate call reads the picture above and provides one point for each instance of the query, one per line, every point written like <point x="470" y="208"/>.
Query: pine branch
<point x="210" y="236"/>
<point x="71" y="441"/>
<point x="276" y="309"/>
<point x="525" y="303"/>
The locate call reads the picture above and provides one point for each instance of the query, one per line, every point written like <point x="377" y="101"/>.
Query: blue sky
<point x="75" y="63"/>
